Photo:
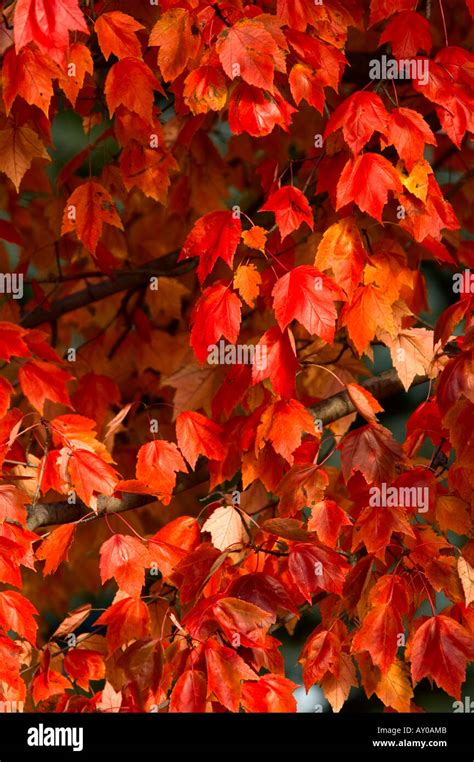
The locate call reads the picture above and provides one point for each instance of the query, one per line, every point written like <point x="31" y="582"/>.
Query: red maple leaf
<point x="367" y="180"/>
<point x="291" y="209"/>
<point x="306" y="295"/>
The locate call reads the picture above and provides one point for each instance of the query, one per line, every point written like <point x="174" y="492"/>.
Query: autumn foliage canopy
<point x="181" y="179"/>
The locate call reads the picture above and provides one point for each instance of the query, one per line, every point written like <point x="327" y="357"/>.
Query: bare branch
<point x="339" y="405"/>
<point x="123" y="280"/>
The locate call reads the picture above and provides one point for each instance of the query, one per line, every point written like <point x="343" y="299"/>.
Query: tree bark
<point x="120" y="281"/>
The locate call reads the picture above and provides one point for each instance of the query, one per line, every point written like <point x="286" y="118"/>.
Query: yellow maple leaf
<point x="18" y="147"/>
<point x="394" y="687"/>
<point x="247" y="280"/>
<point x="337" y="687"/>
<point x="417" y="181"/>
<point x="255" y="238"/>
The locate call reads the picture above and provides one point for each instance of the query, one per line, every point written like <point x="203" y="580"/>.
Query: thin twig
<point x="47" y="444"/>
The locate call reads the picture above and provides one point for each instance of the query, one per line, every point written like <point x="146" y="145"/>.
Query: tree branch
<point x="339" y="405"/>
<point x="46" y="514"/>
<point x="385" y="385"/>
<point x="124" y="280"/>
<point x="165" y="266"/>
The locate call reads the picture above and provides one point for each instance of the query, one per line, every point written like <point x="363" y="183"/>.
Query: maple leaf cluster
<point x="227" y="177"/>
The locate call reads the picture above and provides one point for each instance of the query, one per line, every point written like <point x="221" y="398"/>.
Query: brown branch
<point x="339" y="405"/>
<point x="47" y="514"/>
<point x="123" y="280"/>
<point x="385" y="385"/>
